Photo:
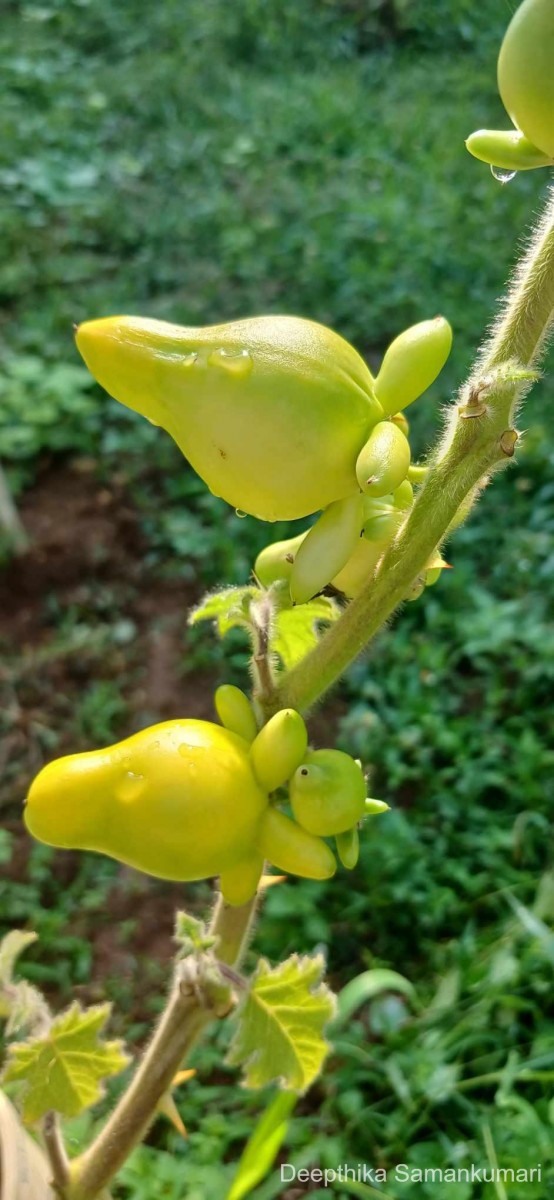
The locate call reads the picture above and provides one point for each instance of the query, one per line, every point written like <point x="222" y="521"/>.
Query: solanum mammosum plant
<point x="282" y="418"/>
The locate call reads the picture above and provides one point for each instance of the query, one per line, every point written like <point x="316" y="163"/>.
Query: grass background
<point x="202" y="162"/>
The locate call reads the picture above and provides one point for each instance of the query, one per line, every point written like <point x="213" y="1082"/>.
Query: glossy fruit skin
<point x="189" y="799"/>
<point x="526" y="72"/>
<point x="276" y="560"/>
<point x="279" y="748"/>
<point x="328" y="793"/>
<point x="327" y="546"/>
<point x="383" y="462"/>
<point x="382" y="527"/>
<point x="235" y="712"/>
<point x="382" y="517"/>
<point x="403" y="497"/>
<point x="145" y="801"/>
<point x="508" y="149"/>
<point x="411" y="363"/>
<point x="349" y="580"/>
<point x="271" y="411"/>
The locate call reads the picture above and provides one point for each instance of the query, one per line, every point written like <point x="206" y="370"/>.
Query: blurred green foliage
<point x="199" y="162"/>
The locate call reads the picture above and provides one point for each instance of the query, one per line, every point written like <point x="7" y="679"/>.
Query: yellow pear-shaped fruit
<point x="270" y="411"/>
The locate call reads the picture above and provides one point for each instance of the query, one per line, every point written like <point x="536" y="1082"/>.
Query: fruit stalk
<point x="478" y="440"/>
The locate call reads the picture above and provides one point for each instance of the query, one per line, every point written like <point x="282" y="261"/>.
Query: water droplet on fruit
<point x="240" y="514"/>
<point x="234" y="362"/>
<point x="501" y="175"/>
<point x="130" y="787"/>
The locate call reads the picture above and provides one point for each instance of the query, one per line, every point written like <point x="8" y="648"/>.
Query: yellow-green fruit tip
<point x="374" y="807"/>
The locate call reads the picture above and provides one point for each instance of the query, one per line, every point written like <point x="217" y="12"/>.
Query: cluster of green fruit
<point x="526" y="86"/>
<point x="299" y="560"/>
<point x="282" y="418"/>
<point x="189" y="799"/>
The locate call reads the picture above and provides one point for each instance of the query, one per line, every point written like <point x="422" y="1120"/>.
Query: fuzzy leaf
<point x="297" y="629"/>
<point x="24" y="1008"/>
<point x="11" y="947"/>
<point x="21" y="1004"/>
<point x="63" y="1070"/>
<point x="281" y="1023"/>
<point x="192" y="935"/>
<point x="226" y="609"/>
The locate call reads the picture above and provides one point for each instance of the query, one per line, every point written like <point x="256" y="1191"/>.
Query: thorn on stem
<point x="508" y="442"/>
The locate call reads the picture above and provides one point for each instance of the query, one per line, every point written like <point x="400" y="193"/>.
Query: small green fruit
<point x="279" y="748"/>
<point x="235" y="711"/>
<point x="383" y="463"/>
<point x="327" y="547"/>
<point x="412" y="362"/>
<point x="277" y="560"/>
<point x="509" y="150"/>
<point x="526" y="72"/>
<point x="328" y="793"/>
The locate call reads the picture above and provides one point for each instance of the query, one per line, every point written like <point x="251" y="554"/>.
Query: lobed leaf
<point x="227" y="608"/>
<point x="296" y="629"/>
<point x="281" y="1024"/>
<point x="63" y="1070"/>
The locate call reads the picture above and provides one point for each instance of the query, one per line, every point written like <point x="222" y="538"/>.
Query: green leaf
<point x="297" y="629"/>
<point x="262" y="1147"/>
<point x="227" y="609"/>
<point x="21" y="1004"/>
<point x="192" y="935"/>
<point x="281" y="1023"/>
<point x="365" y="987"/>
<point x="63" y="1070"/>
<point x="11" y="947"/>
<point x="534" y="926"/>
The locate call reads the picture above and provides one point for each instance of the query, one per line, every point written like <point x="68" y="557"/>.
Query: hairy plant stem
<point x="261" y="616"/>
<point x="479" y="439"/>
<point x="55" y="1150"/>
<point x="233" y="926"/>
<point x="194" y="1001"/>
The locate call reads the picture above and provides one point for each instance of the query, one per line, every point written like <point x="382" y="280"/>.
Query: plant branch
<point x="233" y="927"/>
<point x="199" y="995"/>
<point x="479" y="439"/>
<point x="196" y="998"/>
<point x="55" y="1150"/>
<point x="261" y="616"/>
